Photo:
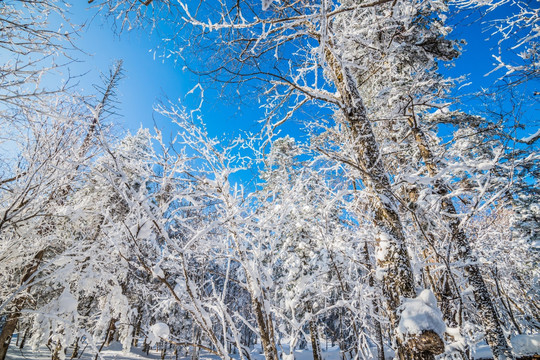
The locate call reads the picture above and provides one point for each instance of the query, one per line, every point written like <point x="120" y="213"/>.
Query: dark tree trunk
<point x="25" y="336"/>
<point x="315" y="342"/>
<point x="75" y="353"/>
<point x="7" y="333"/>
<point x="266" y="330"/>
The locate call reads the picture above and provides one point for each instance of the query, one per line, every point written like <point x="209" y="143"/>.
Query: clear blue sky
<point x="149" y="79"/>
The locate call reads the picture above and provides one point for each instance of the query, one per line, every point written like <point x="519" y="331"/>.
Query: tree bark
<point x="266" y="330"/>
<point x="7" y="333"/>
<point x="315" y="343"/>
<point x="25" y="336"/>
<point x="56" y="353"/>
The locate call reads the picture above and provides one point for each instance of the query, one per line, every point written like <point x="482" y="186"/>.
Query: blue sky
<point x="150" y="79"/>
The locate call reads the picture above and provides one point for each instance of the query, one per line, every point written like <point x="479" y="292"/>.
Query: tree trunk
<point x="136" y="331"/>
<point x="75" y="353"/>
<point x="485" y="307"/>
<point x="315" y="343"/>
<point x="442" y="288"/>
<point x="7" y="333"/>
<point x="196" y="340"/>
<point x="110" y="333"/>
<point x="266" y="330"/>
<point x="25" y="336"/>
<point x="376" y="322"/>
<point x="163" y="352"/>
<point x="264" y="320"/>
<point x="107" y="336"/>
<point x="146" y="346"/>
<point x="56" y="353"/>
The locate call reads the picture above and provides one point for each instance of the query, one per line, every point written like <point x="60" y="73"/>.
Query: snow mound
<point x="526" y="345"/>
<point x="523" y="346"/>
<point x="420" y="314"/>
<point x="157" y="332"/>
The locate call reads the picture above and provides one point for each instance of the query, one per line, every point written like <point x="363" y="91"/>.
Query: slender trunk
<point x="56" y="352"/>
<point x="196" y="340"/>
<point x="110" y="333"/>
<point x="507" y="306"/>
<point x="485" y="307"/>
<point x="75" y="353"/>
<point x="136" y="331"/>
<point x="163" y="352"/>
<point x="376" y="322"/>
<point x="25" y="336"/>
<point x="107" y="336"/>
<point x="315" y="342"/>
<point x="445" y="288"/>
<point x="266" y="330"/>
<point x="146" y="346"/>
<point x="264" y="320"/>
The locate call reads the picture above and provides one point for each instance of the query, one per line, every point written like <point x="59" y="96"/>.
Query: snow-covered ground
<point x="114" y="352"/>
<point x="523" y="345"/>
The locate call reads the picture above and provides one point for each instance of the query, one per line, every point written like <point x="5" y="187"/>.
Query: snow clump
<point x="420" y="314"/>
<point x="157" y="332"/>
<point x="526" y="345"/>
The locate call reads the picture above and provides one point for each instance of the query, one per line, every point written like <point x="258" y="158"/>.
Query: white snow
<point x="158" y="331"/>
<point x="526" y="345"/>
<point x="157" y="271"/>
<point x="523" y="345"/>
<point x="459" y="344"/>
<point x="420" y="314"/>
<point x="383" y="247"/>
<point x="114" y="351"/>
<point x="531" y="137"/>
<point x="66" y="302"/>
<point x="482" y="351"/>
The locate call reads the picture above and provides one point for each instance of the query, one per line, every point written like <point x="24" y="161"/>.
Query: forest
<point x="399" y="219"/>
